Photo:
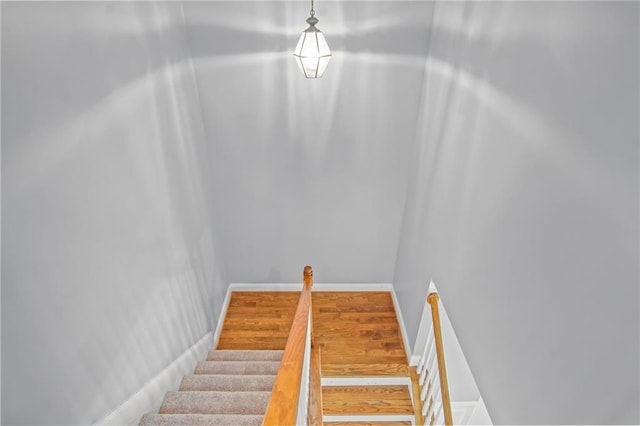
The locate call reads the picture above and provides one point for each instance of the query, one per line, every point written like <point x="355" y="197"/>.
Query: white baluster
<point x="423" y="392"/>
<point x="425" y="407"/>
<point x="439" y="415"/>
<point x="437" y="407"/>
<point x="435" y="394"/>
<point x="423" y="358"/>
<point x="428" y="363"/>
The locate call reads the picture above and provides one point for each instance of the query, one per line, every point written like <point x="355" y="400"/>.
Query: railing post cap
<point x="433" y="297"/>
<point x="308" y="271"/>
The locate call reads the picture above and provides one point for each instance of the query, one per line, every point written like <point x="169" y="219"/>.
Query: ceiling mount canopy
<point x="312" y="52"/>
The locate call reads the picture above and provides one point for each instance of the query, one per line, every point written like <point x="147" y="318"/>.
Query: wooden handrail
<point x="433" y="299"/>
<point x="283" y="404"/>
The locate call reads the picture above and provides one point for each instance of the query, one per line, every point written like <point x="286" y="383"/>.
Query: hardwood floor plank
<point x="362" y="351"/>
<point x="353" y="400"/>
<point x="358" y="328"/>
<point x="367" y="370"/>
<point x="366" y="392"/>
<point x="258" y="320"/>
<point x="356" y="334"/>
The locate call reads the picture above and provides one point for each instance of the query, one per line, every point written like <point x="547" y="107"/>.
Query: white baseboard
<point x="223" y="315"/>
<point x="149" y="398"/>
<point x="403" y="329"/>
<point x="316" y="287"/>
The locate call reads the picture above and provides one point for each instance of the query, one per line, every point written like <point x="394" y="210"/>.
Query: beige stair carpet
<point x="232" y="387"/>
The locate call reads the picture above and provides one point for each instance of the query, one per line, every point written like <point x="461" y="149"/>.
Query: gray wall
<point x="109" y="267"/>
<point x="523" y="204"/>
<point x="309" y="171"/>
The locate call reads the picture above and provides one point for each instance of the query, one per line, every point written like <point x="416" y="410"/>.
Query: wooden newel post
<point x="433" y="299"/>
<point x="307" y="277"/>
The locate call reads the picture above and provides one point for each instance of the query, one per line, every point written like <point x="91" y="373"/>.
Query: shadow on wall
<point x="110" y="269"/>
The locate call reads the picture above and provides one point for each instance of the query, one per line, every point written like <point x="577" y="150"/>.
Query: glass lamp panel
<point x="322" y="65"/>
<point x="299" y="62"/>
<point x="310" y="66"/>
<point x="323" y="47"/>
<point x="310" y="45"/>
<point x="298" y="50"/>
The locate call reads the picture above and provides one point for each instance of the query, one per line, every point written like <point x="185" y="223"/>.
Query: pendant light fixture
<point x="312" y="52"/>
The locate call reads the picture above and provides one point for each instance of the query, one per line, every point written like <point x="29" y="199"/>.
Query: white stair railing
<point x="434" y="388"/>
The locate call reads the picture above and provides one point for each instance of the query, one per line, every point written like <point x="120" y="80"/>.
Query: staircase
<point x="365" y="377"/>
<point x="232" y="387"/>
<point x="363" y="364"/>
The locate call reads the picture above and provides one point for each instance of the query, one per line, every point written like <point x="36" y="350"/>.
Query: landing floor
<point x="357" y="332"/>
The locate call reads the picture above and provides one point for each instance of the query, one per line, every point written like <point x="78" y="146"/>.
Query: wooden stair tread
<point x="359" y="334"/>
<point x="391" y="392"/>
<point x="362" y="351"/>
<point x="355" y="370"/>
<point x="359" y="400"/>
<point x="384" y="360"/>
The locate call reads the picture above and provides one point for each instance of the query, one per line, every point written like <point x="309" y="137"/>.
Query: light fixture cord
<point x="313" y="12"/>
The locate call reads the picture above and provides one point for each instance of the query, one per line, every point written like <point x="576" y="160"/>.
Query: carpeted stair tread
<point x="227" y="383"/>
<point x="238" y="367"/>
<point x="201" y="420"/>
<point x="244" y="355"/>
<point x="212" y="402"/>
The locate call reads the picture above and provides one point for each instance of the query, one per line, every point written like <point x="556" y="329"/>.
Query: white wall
<point x="309" y="171"/>
<point x="523" y="205"/>
<point x="109" y="267"/>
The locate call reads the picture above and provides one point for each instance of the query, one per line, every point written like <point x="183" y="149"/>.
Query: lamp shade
<point x="312" y="52"/>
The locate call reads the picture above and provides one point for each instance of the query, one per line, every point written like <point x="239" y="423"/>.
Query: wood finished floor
<point x="258" y="320"/>
<point x="366" y="400"/>
<point x="357" y="334"/>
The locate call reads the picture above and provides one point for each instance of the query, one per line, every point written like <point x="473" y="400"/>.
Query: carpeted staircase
<point x="232" y="387"/>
